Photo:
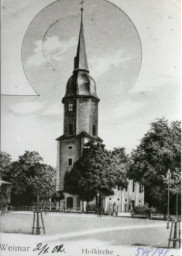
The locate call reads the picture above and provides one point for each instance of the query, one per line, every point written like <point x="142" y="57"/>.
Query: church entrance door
<point x="70" y="202"/>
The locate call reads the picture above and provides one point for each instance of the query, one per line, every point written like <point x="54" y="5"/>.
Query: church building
<point x="81" y="125"/>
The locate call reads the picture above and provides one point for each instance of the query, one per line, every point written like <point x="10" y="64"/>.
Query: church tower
<point x="80" y="117"/>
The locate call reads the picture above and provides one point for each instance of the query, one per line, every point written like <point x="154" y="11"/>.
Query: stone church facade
<point x="81" y="125"/>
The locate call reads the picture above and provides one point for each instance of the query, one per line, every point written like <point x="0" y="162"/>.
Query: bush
<point x="91" y="208"/>
<point x="142" y="209"/>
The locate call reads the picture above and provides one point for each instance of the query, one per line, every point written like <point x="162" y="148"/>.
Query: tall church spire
<point x="80" y="61"/>
<point x="81" y="84"/>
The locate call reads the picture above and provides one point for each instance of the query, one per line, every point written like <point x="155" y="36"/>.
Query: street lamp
<point x="168" y="176"/>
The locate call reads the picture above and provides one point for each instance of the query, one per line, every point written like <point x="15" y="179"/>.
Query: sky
<point x="133" y="50"/>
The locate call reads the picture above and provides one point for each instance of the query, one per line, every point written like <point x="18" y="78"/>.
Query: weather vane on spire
<point x="81" y="3"/>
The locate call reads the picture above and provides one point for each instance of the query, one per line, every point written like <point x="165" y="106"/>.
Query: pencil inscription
<point x="43" y="249"/>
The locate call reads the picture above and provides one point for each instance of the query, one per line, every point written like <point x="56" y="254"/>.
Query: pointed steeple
<point x="81" y="84"/>
<point x="80" y="61"/>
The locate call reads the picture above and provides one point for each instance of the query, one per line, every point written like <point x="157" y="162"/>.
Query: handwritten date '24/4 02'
<point x="43" y="249"/>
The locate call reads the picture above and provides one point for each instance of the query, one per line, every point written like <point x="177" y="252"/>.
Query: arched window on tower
<point x="70" y="107"/>
<point x="70" y="162"/>
<point x="70" y="129"/>
<point x="93" y="107"/>
<point x="93" y="130"/>
<point x="141" y="188"/>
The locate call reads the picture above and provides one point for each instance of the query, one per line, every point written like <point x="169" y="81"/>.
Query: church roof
<point x="82" y="134"/>
<point x="81" y="83"/>
<point x="80" y="61"/>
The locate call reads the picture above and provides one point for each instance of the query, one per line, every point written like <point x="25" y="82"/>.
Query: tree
<point x="57" y="195"/>
<point x="119" y="166"/>
<point x="98" y="171"/>
<point x="31" y="177"/>
<point x="174" y="183"/>
<point x="5" y="164"/>
<point x="158" y="151"/>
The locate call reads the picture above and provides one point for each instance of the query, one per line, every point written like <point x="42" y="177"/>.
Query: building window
<point x="70" y="161"/>
<point x="93" y="130"/>
<point x="70" y="147"/>
<point x="118" y="199"/>
<point x="94" y="107"/>
<point x="70" y="107"/>
<point x="70" y="128"/>
<point x="126" y="188"/>
<point x="141" y="188"/>
<point x="133" y="186"/>
<point x="110" y="198"/>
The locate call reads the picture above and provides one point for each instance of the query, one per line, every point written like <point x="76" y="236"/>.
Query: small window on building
<point x="94" y="107"/>
<point x="118" y="199"/>
<point x="70" y="107"/>
<point x="70" y="128"/>
<point x="140" y="188"/>
<point x="133" y="186"/>
<point x="126" y="200"/>
<point x="93" y="130"/>
<point x="110" y="198"/>
<point x="126" y="188"/>
<point x="70" y="161"/>
<point x="70" y="147"/>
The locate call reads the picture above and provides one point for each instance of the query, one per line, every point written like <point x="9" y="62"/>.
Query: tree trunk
<point x="100" y="204"/>
<point x="87" y="208"/>
<point x="82" y="206"/>
<point x="177" y="205"/>
<point x="38" y="224"/>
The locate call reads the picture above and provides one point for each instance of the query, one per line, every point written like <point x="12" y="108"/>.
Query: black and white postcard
<point x="90" y="161"/>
